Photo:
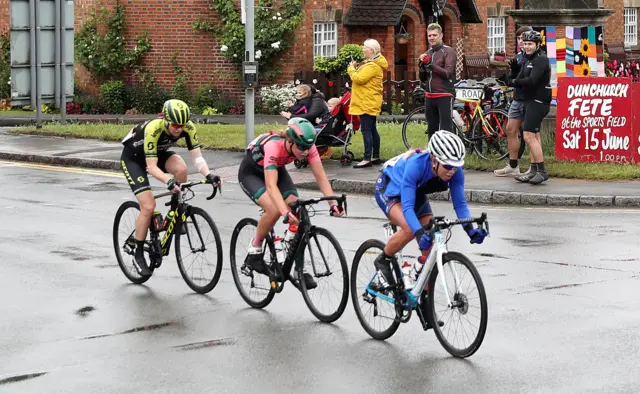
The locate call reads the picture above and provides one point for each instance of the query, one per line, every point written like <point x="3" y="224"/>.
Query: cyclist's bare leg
<point x="176" y="166"/>
<point x="513" y="125"/>
<point x="535" y="146"/>
<point x="404" y="235"/>
<point x="147" y="206"/>
<point x="269" y="218"/>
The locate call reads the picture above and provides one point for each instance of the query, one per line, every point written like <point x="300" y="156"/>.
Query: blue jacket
<point x="406" y="176"/>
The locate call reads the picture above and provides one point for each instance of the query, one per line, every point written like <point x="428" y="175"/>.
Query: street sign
<point x="42" y="53"/>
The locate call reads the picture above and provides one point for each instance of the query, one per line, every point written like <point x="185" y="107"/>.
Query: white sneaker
<point x="507" y="171"/>
<point x="528" y="171"/>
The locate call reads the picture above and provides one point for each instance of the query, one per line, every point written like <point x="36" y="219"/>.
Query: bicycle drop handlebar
<point x="341" y="200"/>
<point x="438" y="223"/>
<point x="189" y="185"/>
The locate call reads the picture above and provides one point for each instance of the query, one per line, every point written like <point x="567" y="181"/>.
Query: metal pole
<point x="32" y="51"/>
<point x="38" y="70"/>
<point x="63" y="68"/>
<point x="57" y="54"/>
<point x="249" y="95"/>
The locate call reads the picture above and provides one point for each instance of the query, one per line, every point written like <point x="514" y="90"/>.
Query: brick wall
<point x="614" y="26"/>
<point x="4" y="16"/>
<point x="475" y="37"/>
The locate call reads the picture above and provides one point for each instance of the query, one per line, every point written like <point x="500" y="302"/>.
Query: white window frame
<point x="630" y="27"/>
<point x="325" y="39"/>
<point x="496" y="35"/>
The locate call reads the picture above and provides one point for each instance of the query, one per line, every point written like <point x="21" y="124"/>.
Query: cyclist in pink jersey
<point x="264" y="178"/>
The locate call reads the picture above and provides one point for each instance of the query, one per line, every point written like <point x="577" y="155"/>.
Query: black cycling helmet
<point x="176" y="111"/>
<point x="301" y="132"/>
<point x="532" y="36"/>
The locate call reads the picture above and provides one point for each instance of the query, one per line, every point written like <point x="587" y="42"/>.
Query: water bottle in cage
<point x="458" y="119"/>
<point x="407" y="275"/>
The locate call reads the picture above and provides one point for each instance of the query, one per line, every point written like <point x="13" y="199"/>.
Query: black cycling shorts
<point x="134" y="167"/>
<point x="251" y="179"/>
<point x="534" y="115"/>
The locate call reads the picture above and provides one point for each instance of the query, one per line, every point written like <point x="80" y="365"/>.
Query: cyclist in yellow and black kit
<point x="146" y="150"/>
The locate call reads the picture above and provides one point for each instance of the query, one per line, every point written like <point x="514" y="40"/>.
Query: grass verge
<point x="231" y="137"/>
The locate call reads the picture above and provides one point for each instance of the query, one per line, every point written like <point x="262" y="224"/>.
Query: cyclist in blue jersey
<point x="401" y="192"/>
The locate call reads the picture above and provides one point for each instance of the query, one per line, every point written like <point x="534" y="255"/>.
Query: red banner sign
<point x="594" y="122"/>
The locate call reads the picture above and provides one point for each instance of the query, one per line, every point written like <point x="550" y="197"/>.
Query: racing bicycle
<point x="483" y="129"/>
<point x="446" y="311"/>
<point x="304" y="250"/>
<point x="194" y="231"/>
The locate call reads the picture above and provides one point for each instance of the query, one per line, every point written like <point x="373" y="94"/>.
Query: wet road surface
<point x="562" y="286"/>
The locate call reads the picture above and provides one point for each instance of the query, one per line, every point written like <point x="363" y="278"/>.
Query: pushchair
<point x="337" y="131"/>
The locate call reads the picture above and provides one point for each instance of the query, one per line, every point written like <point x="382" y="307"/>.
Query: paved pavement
<point x="481" y="187"/>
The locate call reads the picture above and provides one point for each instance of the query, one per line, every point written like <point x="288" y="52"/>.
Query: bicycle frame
<point x="179" y="207"/>
<point x="479" y="113"/>
<point x="282" y="271"/>
<point x="434" y="259"/>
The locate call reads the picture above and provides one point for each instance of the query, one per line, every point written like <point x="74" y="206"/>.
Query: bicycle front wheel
<point x="490" y="139"/>
<point x="322" y="257"/>
<point x="414" y="129"/>
<point x="197" y="235"/>
<point x="377" y="315"/>
<point x="467" y="315"/>
<point x="254" y="288"/>
<point x="124" y="243"/>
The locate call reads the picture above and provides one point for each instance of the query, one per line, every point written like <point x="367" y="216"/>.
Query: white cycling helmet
<point x="447" y="148"/>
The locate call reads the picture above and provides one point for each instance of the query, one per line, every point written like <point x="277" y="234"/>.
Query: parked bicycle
<point x="482" y="125"/>
<point x="459" y="302"/>
<point x="258" y="290"/>
<point x="187" y="223"/>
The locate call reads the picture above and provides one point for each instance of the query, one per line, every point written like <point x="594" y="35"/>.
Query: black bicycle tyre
<point x="116" y="242"/>
<point x="234" y="267"/>
<point x="406" y="123"/>
<point x="345" y="278"/>
<point x="380" y="335"/>
<point x="475" y="345"/>
<point x="194" y="211"/>
<point x="478" y="124"/>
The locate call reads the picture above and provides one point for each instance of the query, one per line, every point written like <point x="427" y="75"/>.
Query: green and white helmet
<point x="301" y="132"/>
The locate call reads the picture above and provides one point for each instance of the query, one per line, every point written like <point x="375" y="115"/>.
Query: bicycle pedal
<point x="246" y="270"/>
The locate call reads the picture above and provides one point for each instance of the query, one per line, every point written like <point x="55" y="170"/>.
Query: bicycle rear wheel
<point x="200" y="235"/>
<point x="331" y="274"/>
<point x="124" y="244"/>
<point x="466" y="304"/>
<point x="383" y="323"/>
<point x="254" y="288"/>
<point x="414" y="129"/>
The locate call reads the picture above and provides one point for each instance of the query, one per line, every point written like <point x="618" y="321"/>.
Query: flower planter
<point x="499" y="58"/>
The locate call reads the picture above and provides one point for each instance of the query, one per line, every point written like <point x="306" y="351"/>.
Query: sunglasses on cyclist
<point x="302" y="148"/>
<point x="177" y="126"/>
<point x="448" y="167"/>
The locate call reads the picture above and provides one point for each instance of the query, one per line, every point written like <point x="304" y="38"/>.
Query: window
<point x="325" y="39"/>
<point x="630" y="26"/>
<point x="495" y="35"/>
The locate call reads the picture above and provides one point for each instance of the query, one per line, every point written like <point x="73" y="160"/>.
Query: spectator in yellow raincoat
<point x="366" y="98"/>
